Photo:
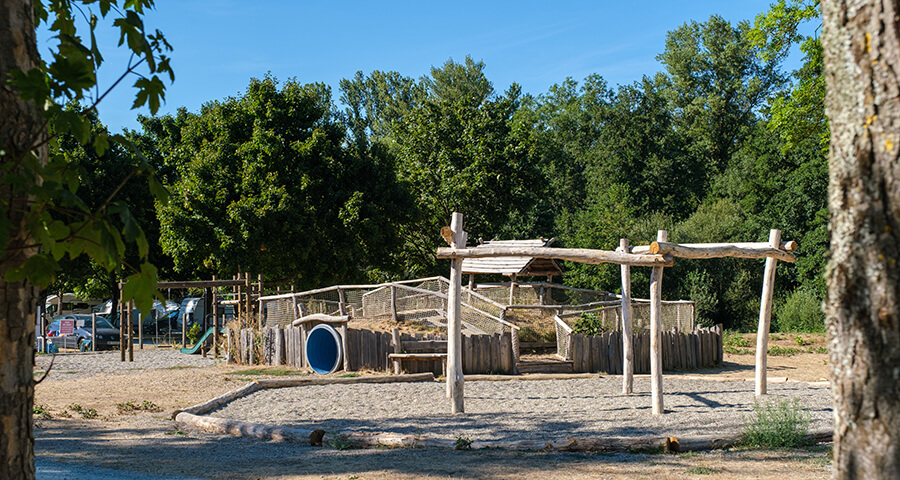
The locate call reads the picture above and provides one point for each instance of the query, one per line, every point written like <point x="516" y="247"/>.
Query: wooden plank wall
<point x="368" y="350"/>
<point x="701" y="348"/>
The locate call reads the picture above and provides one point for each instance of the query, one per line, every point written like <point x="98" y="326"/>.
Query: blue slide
<point x="202" y="340"/>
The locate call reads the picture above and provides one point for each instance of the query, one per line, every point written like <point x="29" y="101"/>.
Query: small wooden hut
<point x="512" y="267"/>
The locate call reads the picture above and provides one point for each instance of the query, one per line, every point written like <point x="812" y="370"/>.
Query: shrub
<point x="801" y="311"/>
<point x="589" y="324"/>
<point x="193" y="333"/>
<point x="778" y="423"/>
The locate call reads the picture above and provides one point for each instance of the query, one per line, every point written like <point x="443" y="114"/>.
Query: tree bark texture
<point x="21" y="127"/>
<point x="861" y="41"/>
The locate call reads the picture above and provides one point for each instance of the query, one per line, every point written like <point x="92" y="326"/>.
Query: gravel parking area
<point x="71" y="366"/>
<point x="524" y="410"/>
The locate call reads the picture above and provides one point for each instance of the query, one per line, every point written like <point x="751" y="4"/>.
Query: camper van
<point x="69" y="303"/>
<point x="195" y="308"/>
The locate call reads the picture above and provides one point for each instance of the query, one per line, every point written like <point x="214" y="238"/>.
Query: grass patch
<point x="734" y="339"/>
<point x="88" y="413"/>
<point x="42" y="411"/>
<point x="817" y="350"/>
<point x="349" y="375"/>
<point x="180" y="367"/>
<point x="272" y="372"/>
<point x="131" y="407"/>
<point x="462" y="443"/>
<point x="342" y="442"/>
<point x="777" y="351"/>
<point x="736" y="351"/>
<point x="777" y="423"/>
<point x="701" y="471"/>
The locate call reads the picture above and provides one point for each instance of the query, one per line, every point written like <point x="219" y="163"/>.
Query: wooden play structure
<point x="657" y="255"/>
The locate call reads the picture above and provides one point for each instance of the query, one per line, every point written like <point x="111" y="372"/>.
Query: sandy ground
<point x="147" y="444"/>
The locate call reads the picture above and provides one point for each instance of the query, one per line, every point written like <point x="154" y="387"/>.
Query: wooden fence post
<point x="765" y="316"/>
<point x="455" y="381"/>
<point x="656" y="379"/>
<point x="627" y="338"/>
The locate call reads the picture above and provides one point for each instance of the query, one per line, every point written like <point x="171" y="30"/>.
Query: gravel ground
<point x="524" y="410"/>
<point x="71" y="366"/>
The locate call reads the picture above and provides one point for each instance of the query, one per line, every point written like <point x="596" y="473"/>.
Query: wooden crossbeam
<point x="580" y="255"/>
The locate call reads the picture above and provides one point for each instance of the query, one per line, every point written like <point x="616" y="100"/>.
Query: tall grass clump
<point x="777" y="423"/>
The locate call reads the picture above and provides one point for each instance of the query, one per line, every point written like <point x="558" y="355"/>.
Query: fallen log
<point x="395" y="440"/>
<point x="300" y="382"/>
<point x="210" y="405"/>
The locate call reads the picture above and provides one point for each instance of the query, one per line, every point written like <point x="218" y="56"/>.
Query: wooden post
<point x="184" y="320"/>
<point x="627" y="337"/>
<point x="259" y="294"/>
<point x="455" y="380"/>
<point x="512" y="287"/>
<point x="121" y="324"/>
<point x="345" y="345"/>
<point x="238" y="309"/>
<point x="341" y="300"/>
<point x="215" y="312"/>
<point x="656" y="379"/>
<point x="94" y="331"/>
<point x="130" y="331"/>
<point x="248" y="311"/>
<point x="395" y="337"/>
<point x="393" y="303"/>
<point x="765" y="316"/>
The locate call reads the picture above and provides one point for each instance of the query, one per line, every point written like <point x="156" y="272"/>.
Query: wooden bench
<point x="398" y="359"/>
<point x="435" y="350"/>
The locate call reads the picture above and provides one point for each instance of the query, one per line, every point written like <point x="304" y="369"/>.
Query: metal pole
<point x="94" y="331"/>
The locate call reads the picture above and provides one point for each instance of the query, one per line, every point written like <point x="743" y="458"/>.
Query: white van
<point x="195" y="308"/>
<point x="70" y="304"/>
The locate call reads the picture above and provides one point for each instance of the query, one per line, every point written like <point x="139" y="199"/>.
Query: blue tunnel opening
<point x="323" y="349"/>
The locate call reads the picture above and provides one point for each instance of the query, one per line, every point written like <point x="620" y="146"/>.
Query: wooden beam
<point x="656" y="378"/>
<point x="580" y="255"/>
<point x="200" y="284"/>
<point x="765" y="317"/>
<point x="718" y="250"/>
<point x="627" y="342"/>
<point x="455" y="381"/>
<point x="321" y="317"/>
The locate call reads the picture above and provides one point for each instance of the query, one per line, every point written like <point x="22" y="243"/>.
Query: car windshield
<point x="101" y="323"/>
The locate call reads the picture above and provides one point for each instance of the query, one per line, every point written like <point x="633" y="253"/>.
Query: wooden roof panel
<point x="524" y="266"/>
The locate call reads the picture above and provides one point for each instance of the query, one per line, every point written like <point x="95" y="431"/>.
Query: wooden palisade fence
<point x="483" y="354"/>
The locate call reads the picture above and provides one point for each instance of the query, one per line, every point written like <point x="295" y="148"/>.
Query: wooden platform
<point x="544" y="366"/>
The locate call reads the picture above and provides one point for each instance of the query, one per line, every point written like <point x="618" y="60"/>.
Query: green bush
<point x="801" y="311"/>
<point x="589" y="324"/>
<point x="777" y="423"/>
<point x="193" y="333"/>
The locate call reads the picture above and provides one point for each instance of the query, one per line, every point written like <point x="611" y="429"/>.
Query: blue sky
<point x="220" y="44"/>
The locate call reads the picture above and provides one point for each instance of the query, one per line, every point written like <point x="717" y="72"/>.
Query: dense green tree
<point x="43" y="219"/>
<point x="457" y="151"/>
<point x="715" y="83"/>
<point x="263" y="184"/>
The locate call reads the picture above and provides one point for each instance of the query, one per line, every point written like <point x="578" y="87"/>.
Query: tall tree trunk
<point x="861" y="40"/>
<point x="22" y="126"/>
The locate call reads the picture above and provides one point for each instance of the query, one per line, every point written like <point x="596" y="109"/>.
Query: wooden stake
<point x="656" y="379"/>
<point x="94" y="331"/>
<point x="627" y="338"/>
<point x="455" y="382"/>
<point x="765" y="316"/>
<point x="130" y="331"/>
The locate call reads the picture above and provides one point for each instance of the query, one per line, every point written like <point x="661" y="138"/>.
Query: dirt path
<point x="151" y="443"/>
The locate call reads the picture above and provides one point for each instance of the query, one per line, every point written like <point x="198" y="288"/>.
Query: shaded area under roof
<point x="513" y="266"/>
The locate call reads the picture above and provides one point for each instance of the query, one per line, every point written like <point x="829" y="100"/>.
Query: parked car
<point x="107" y="334"/>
